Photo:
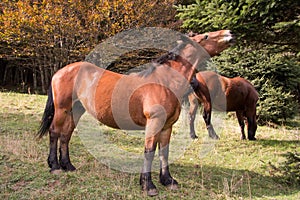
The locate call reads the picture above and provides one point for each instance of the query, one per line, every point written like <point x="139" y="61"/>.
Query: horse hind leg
<point x="68" y="128"/>
<point x="62" y="127"/>
<point x="252" y="126"/>
<point x="240" y="117"/>
<point x="52" y="158"/>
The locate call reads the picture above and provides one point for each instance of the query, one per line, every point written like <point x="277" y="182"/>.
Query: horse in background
<point x="224" y="94"/>
<point x="149" y="100"/>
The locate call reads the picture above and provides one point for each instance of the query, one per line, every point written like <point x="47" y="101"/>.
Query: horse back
<point x="228" y="94"/>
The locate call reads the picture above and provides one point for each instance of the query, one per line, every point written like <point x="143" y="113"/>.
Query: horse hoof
<point x="68" y="167"/>
<point x="152" y="192"/>
<point x="215" y="137"/>
<point x="56" y="171"/>
<point x="194" y="137"/>
<point x="172" y="187"/>
<point x="252" y="138"/>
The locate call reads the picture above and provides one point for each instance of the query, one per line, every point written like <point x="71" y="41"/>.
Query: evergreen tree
<point x="267" y="52"/>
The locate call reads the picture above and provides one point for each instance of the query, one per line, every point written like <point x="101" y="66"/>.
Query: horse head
<point x="186" y="58"/>
<point x="214" y="42"/>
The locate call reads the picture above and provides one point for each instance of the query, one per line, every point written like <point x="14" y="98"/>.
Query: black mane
<point x="171" y="55"/>
<point x="164" y="58"/>
<point x="149" y="70"/>
<point x="158" y="61"/>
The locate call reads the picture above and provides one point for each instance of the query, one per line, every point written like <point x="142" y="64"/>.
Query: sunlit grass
<point x="207" y="169"/>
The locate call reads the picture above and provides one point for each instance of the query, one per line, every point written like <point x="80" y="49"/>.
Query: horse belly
<point x="112" y="105"/>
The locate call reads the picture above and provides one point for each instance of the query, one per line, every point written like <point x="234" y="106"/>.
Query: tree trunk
<point x="42" y="71"/>
<point x="34" y="76"/>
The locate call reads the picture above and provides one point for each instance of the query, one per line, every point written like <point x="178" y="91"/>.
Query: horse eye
<point x="205" y="37"/>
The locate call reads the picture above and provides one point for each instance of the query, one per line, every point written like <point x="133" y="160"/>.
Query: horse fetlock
<point x="212" y="134"/>
<point x="53" y="164"/>
<point x="193" y="135"/>
<point x="251" y="138"/>
<point x="243" y="137"/>
<point x="251" y="135"/>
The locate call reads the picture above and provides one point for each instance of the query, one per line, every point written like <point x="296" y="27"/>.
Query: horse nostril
<point x="232" y="41"/>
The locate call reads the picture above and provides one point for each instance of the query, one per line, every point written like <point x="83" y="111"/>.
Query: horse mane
<point x="158" y="61"/>
<point x="147" y="71"/>
<point x="171" y="55"/>
<point x="165" y="58"/>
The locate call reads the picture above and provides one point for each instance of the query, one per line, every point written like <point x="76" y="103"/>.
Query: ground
<point x="206" y="169"/>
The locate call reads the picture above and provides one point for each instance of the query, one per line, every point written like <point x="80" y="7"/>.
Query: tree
<point x="267" y="52"/>
<point x="262" y="21"/>
<point x="42" y="36"/>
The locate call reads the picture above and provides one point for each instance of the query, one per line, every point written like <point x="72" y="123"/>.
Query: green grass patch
<point x="224" y="169"/>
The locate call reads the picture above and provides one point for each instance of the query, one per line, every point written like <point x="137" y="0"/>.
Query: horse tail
<point x="47" y="116"/>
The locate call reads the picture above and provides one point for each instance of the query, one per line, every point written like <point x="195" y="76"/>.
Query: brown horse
<point x="201" y="90"/>
<point x="223" y="94"/>
<point x="150" y="99"/>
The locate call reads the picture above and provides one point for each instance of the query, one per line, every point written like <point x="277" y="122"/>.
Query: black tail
<point x="47" y="116"/>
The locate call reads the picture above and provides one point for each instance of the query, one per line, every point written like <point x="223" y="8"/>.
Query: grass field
<point x="224" y="169"/>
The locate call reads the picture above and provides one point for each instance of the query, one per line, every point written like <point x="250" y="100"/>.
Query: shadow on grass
<point x="219" y="182"/>
<point x="279" y="143"/>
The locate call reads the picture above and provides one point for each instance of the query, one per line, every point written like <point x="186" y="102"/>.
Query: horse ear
<point x="191" y="34"/>
<point x="197" y="38"/>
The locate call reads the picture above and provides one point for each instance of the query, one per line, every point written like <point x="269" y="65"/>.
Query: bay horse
<point x="223" y="94"/>
<point x="149" y="100"/>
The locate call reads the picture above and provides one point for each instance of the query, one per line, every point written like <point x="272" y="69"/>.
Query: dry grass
<point x="225" y="169"/>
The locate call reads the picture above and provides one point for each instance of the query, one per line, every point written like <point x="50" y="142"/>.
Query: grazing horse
<point x="149" y="100"/>
<point x="224" y="94"/>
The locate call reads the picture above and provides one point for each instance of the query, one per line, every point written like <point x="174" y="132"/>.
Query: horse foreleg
<point x="165" y="176"/>
<point x="240" y="117"/>
<point x="145" y="178"/>
<point x="156" y="118"/>
<point x="192" y="114"/>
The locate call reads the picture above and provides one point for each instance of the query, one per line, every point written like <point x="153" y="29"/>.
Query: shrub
<point x="289" y="170"/>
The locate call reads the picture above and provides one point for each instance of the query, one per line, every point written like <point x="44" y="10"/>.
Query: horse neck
<point x="175" y="76"/>
<point x="183" y="67"/>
